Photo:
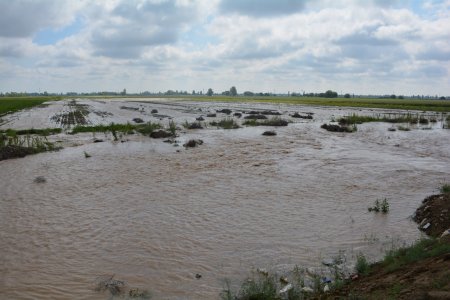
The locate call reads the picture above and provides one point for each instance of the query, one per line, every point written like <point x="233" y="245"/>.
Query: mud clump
<point x="160" y="134"/>
<point x="200" y="119"/>
<point x="154" y="111"/>
<point x="193" y="143"/>
<point x="299" y="116"/>
<point x="138" y="120"/>
<point x="269" y="133"/>
<point x="40" y="179"/>
<point x="433" y="216"/>
<point x="336" y="128"/>
<point x="225" y="111"/>
<point x="255" y="117"/>
<point x="12" y="151"/>
<point x="211" y="115"/>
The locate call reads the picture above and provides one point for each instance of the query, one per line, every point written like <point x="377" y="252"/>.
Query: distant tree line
<point x="232" y="92"/>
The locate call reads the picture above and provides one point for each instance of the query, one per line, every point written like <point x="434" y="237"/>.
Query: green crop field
<point x="13" y="104"/>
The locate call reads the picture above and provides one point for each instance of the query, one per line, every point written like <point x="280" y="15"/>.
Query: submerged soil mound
<point x="12" y="151"/>
<point x="433" y="216"/>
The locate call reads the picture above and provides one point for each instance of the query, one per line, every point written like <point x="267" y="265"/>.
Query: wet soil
<point x="11" y="151"/>
<point x="433" y="216"/>
<point x="426" y="279"/>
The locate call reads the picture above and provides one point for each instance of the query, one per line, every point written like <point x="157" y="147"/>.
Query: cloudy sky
<point x="355" y="46"/>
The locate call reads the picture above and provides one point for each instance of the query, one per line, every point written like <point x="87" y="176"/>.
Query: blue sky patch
<point x="52" y="36"/>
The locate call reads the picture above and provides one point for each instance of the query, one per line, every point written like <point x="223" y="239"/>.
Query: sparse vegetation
<point x="193" y="125"/>
<point x="445" y="188"/>
<point x="43" y="132"/>
<point x="390" y="118"/>
<point x="227" y="123"/>
<point x="380" y="206"/>
<point x="338" y="128"/>
<point x="424" y="248"/>
<point x="20" y="146"/>
<point x="362" y="266"/>
<point x="172" y="128"/>
<point x="275" y="121"/>
<point x="127" y="128"/>
<point x="403" y="128"/>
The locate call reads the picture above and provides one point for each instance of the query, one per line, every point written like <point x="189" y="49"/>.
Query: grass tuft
<point x="227" y="123"/>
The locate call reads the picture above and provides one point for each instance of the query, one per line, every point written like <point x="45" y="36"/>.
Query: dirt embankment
<point x="422" y="278"/>
<point x="433" y="216"/>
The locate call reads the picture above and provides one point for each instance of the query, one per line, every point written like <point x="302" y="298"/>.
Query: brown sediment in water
<point x="156" y="215"/>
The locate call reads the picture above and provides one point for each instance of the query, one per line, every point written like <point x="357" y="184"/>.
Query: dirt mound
<point x="433" y="216"/>
<point x="425" y="279"/>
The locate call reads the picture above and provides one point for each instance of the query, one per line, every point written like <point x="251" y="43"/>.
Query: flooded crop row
<point x="178" y="221"/>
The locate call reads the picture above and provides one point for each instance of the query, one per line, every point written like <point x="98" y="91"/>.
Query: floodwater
<point x="155" y="215"/>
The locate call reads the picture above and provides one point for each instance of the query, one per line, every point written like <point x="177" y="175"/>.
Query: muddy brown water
<point x="155" y="216"/>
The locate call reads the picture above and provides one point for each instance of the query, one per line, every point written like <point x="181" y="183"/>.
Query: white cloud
<point x="185" y="44"/>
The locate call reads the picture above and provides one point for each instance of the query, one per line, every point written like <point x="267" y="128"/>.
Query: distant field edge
<point x="401" y="104"/>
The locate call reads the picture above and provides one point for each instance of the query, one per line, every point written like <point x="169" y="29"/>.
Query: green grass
<point x="13" y="104"/>
<point x="362" y="265"/>
<point x="359" y="119"/>
<point x="445" y="188"/>
<point x="127" y="128"/>
<point x="227" y="123"/>
<point x="43" y="131"/>
<point x="422" y="249"/>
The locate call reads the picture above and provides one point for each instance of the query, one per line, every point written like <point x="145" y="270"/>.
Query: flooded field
<point x="155" y="215"/>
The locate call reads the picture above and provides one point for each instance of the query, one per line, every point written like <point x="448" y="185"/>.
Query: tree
<point x="210" y="92"/>
<point x="248" y="93"/>
<point x="233" y="91"/>
<point x="124" y="92"/>
<point x="330" y="94"/>
<point x="347" y="95"/>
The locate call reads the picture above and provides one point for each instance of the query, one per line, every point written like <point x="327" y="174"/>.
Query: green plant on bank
<point x="227" y="123"/>
<point x="172" y="128"/>
<point x="424" y="248"/>
<point x="362" y="266"/>
<point x="445" y="188"/>
<point x="275" y="121"/>
<point x="268" y="287"/>
<point x="378" y="206"/>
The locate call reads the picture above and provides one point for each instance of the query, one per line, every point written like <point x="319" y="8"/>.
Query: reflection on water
<point x="155" y="217"/>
